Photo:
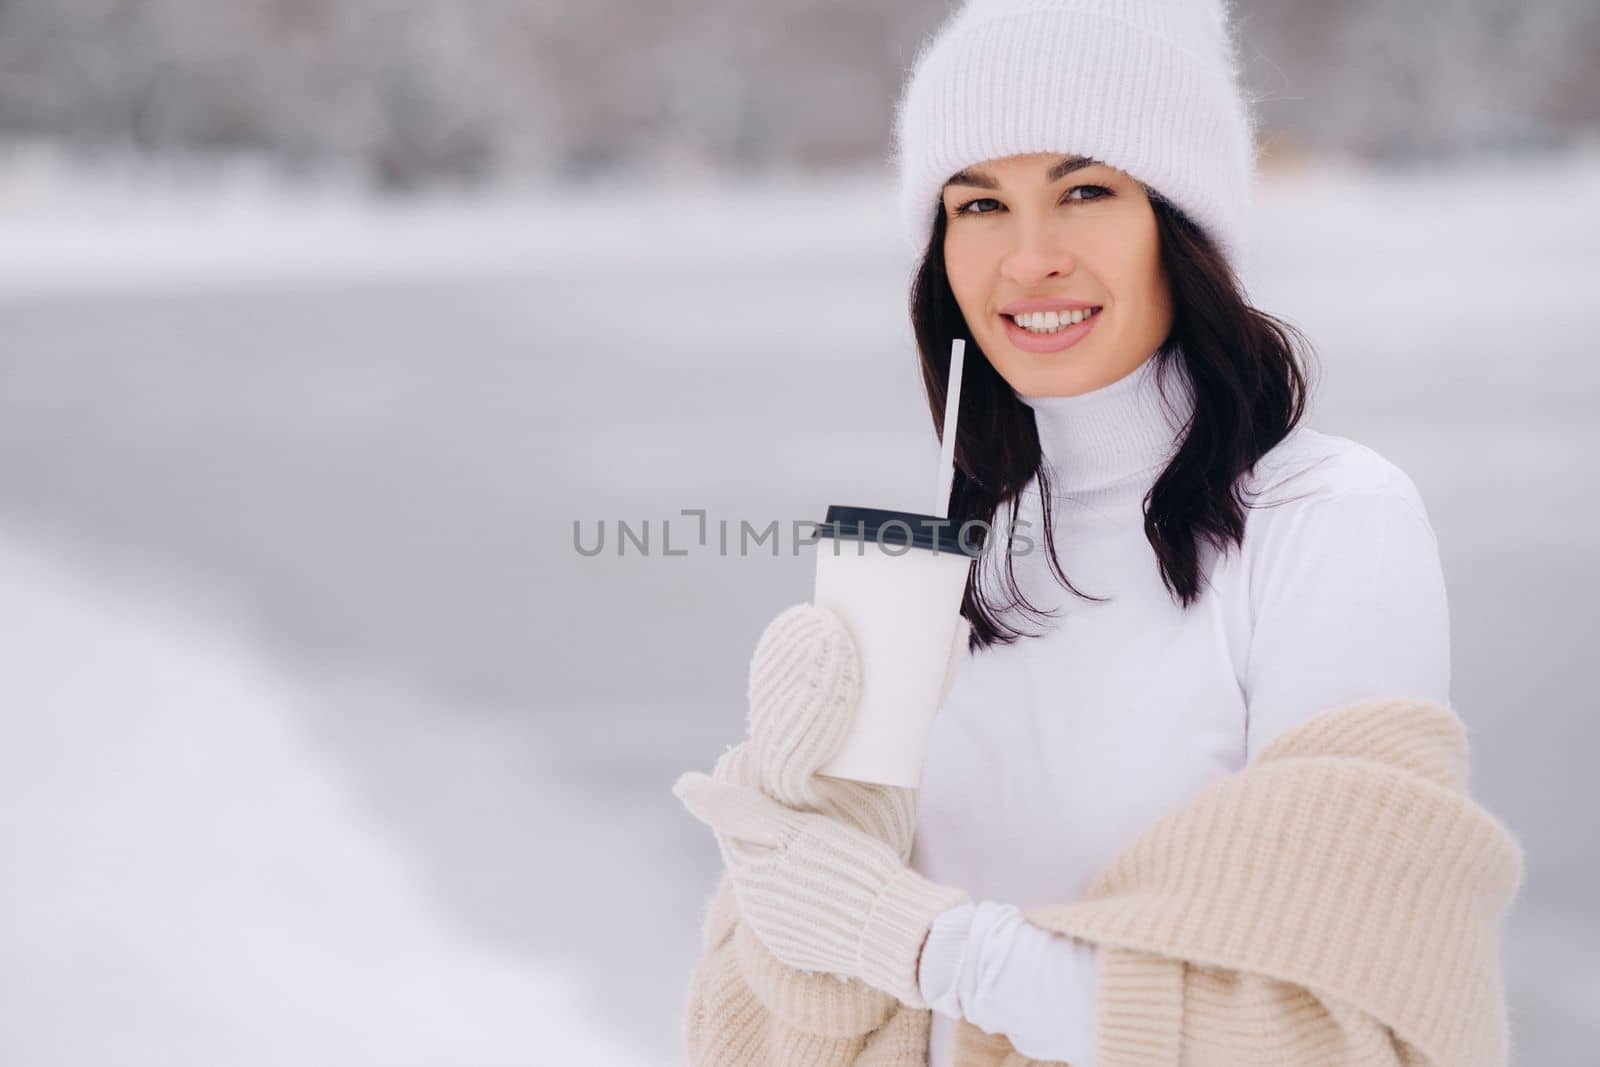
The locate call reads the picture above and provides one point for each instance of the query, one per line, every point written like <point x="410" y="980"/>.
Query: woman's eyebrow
<point x="1058" y="170"/>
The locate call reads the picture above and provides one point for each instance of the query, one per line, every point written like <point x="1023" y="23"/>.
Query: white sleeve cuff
<point x="985" y="963"/>
<point x="941" y="959"/>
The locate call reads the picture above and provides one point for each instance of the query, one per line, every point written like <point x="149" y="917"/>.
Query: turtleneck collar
<point x="1112" y="433"/>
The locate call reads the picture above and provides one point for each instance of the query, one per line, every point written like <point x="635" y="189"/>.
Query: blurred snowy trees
<point x="417" y="91"/>
<point x="1392" y="79"/>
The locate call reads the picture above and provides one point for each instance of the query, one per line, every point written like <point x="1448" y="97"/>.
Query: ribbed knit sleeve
<point x="1166" y="1011"/>
<point x="1338" y="903"/>
<point x="746" y="1008"/>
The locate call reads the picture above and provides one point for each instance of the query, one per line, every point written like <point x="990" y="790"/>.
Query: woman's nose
<point x="1038" y="253"/>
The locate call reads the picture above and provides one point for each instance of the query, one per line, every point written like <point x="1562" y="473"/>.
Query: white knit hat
<point x="1149" y="87"/>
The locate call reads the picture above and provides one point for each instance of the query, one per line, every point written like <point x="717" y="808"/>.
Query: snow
<point x="151" y="227"/>
<point x="190" y="880"/>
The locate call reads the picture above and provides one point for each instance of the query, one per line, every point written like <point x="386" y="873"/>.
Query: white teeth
<point x="1051" y="321"/>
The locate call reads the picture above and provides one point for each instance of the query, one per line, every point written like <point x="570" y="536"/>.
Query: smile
<point x="1050" y="331"/>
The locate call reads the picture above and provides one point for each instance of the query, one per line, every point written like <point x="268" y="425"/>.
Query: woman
<point x="1208" y="574"/>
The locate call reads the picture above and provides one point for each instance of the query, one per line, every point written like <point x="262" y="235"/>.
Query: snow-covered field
<point x="322" y="744"/>
<point x="191" y="878"/>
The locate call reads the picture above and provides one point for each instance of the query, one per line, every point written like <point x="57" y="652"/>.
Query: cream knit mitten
<point x="822" y="896"/>
<point x="804" y="685"/>
<point x="817" y="864"/>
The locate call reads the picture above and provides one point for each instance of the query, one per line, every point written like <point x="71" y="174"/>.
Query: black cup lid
<point x="933" y="532"/>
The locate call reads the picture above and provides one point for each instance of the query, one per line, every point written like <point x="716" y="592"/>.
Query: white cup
<point x="897" y="579"/>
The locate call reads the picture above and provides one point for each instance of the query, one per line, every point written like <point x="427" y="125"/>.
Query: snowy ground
<point x="191" y="878"/>
<point x="325" y="745"/>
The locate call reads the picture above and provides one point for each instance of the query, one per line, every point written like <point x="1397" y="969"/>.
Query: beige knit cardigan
<point x="1336" y="902"/>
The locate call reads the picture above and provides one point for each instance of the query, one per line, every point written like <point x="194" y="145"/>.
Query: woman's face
<point x="1053" y="230"/>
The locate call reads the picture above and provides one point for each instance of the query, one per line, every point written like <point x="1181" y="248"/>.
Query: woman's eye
<point x="1100" y="189"/>
<point x="966" y="209"/>
<point x="1100" y="193"/>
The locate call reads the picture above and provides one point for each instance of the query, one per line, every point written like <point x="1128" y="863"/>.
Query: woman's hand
<point x="821" y="895"/>
<point x="804" y="688"/>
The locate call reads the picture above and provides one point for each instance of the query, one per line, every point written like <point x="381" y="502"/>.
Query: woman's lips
<point x="1049" y="342"/>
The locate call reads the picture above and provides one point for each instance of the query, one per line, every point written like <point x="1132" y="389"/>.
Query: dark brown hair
<point x="1249" y="392"/>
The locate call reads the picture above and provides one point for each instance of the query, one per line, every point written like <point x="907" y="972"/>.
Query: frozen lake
<point x="324" y="744"/>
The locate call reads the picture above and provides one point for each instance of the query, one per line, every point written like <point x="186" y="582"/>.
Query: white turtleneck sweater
<point x="1050" y="755"/>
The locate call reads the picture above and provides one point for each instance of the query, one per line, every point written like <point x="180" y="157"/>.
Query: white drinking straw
<point x="947" y="448"/>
